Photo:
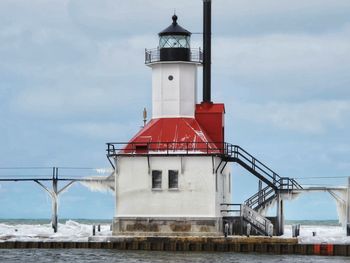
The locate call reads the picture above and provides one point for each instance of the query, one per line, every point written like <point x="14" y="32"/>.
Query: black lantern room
<point x="174" y="43"/>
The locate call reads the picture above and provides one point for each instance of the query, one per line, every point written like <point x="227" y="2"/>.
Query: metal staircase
<point x="275" y="185"/>
<point x="235" y="153"/>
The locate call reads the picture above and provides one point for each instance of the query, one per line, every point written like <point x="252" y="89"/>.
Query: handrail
<point x="225" y="150"/>
<point x="153" y="55"/>
<point x="259" y="222"/>
<point x="260" y="197"/>
<point x="168" y="148"/>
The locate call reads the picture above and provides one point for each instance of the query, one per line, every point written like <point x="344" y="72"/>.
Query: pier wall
<point x="218" y="244"/>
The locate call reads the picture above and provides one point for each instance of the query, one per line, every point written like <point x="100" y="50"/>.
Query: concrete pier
<point x="237" y="244"/>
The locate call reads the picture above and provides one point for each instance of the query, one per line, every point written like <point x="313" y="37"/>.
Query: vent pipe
<point x="207" y="51"/>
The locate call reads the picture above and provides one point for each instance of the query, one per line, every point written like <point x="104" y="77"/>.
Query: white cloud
<point x="287" y="53"/>
<point x="312" y="117"/>
<point x="284" y="66"/>
<point x="102" y="130"/>
<point x="267" y="7"/>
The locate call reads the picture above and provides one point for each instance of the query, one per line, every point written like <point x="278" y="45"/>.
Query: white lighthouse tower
<point x="170" y="177"/>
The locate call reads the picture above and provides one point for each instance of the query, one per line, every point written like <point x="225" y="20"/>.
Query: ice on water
<point x="75" y="231"/>
<point x="324" y="234"/>
<point x="69" y="231"/>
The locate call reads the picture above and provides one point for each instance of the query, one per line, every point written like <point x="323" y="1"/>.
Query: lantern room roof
<point x="174" y="29"/>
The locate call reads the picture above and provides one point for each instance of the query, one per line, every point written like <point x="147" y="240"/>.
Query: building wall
<point x="199" y="194"/>
<point x="176" y="97"/>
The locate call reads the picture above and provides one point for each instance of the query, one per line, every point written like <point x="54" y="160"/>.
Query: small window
<point x="156" y="179"/>
<point x="173" y="179"/>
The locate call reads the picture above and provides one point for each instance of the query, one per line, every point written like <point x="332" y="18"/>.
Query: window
<point x="156" y="179"/>
<point x="173" y="176"/>
<point x="174" y="41"/>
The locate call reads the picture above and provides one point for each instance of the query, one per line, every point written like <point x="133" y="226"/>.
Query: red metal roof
<point x="175" y="134"/>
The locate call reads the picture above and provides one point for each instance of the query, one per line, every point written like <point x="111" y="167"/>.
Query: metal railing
<point x="259" y="222"/>
<point x="241" y="156"/>
<point x="229" y="153"/>
<point x="229" y="208"/>
<point x="165" y="148"/>
<point x="260" y="197"/>
<point x="153" y="55"/>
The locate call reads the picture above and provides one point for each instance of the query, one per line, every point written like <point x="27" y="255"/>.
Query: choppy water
<point x="82" y="255"/>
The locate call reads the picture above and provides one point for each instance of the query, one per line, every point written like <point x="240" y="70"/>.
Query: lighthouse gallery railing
<point x="153" y="55"/>
<point x="228" y="152"/>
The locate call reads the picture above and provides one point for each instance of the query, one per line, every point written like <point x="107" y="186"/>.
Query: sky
<point x="72" y="77"/>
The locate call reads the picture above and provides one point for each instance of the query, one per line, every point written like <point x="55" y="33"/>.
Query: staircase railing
<point x="237" y="154"/>
<point x="249" y="215"/>
<point x="260" y="198"/>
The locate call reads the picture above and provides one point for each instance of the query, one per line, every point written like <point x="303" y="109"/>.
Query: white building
<point x="171" y="177"/>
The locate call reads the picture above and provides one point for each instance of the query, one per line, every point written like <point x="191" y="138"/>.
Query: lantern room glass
<point x="174" y="41"/>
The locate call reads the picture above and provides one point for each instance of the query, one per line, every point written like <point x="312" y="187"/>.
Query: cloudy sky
<point x="72" y="77"/>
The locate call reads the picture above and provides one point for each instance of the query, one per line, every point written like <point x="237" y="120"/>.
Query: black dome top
<point x="175" y="29"/>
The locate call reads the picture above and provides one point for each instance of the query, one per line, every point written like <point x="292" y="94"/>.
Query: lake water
<point x="111" y="256"/>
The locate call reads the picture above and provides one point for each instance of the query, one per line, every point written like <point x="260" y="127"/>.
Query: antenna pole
<point x="207" y="51"/>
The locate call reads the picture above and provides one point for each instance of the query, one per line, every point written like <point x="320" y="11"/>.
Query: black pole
<point x="207" y="51"/>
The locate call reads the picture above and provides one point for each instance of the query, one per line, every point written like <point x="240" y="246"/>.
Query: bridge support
<point x="280" y="216"/>
<point x="54" y="195"/>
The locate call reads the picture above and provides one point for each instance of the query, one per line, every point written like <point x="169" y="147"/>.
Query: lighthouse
<point x="173" y="177"/>
<point x="170" y="178"/>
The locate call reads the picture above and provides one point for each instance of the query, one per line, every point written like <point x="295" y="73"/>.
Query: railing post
<point x="260" y="193"/>
<point x="167" y="148"/>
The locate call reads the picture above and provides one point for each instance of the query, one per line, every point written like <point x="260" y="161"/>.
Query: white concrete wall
<point x="176" y="97"/>
<point x="196" y="197"/>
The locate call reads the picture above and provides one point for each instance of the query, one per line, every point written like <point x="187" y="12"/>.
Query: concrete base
<point x="167" y="226"/>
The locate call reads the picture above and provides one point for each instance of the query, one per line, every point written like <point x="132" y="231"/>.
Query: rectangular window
<point x="173" y="179"/>
<point x="156" y="179"/>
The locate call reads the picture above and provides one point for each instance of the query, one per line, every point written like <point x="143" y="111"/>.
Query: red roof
<point x="171" y="134"/>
